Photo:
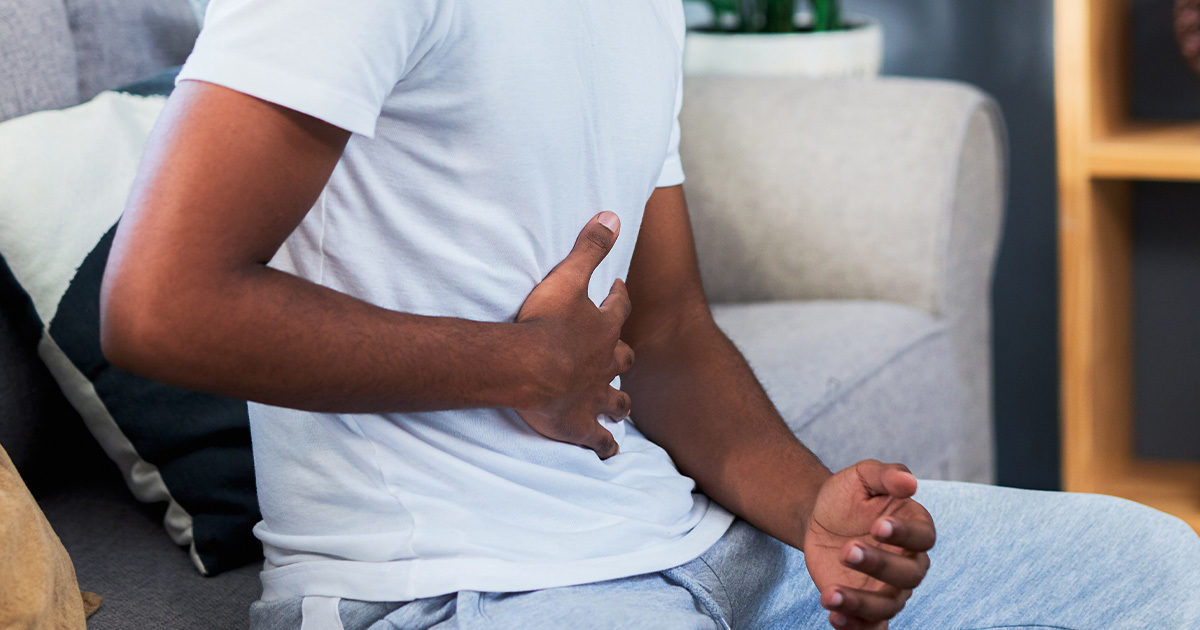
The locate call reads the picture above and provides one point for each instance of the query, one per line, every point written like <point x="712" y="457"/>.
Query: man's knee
<point x="1149" y="526"/>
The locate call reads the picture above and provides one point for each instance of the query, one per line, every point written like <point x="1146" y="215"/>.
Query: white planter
<point x="856" y="52"/>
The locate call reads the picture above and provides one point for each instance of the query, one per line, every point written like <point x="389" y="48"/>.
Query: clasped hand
<point x="866" y="544"/>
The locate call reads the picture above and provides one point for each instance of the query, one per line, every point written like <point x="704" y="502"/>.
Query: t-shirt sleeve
<point x="336" y="61"/>
<point x="672" y="170"/>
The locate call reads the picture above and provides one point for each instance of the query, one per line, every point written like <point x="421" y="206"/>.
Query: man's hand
<point x="865" y="543"/>
<point x="583" y="342"/>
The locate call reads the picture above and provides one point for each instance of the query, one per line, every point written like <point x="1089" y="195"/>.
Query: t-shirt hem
<point x="282" y="86"/>
<point x="414" y="579"/>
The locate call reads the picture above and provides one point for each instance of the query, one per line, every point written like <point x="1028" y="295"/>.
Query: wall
<point x="1005" y="48"/>
<point x="1166" y="269"/>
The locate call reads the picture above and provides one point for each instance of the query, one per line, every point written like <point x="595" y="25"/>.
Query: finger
<point x="844" y="622"/>
<point x="617" y="302"/>
<point x="617" y="404"/>
<point x="601" y="441"/>
<point x="891" y="479"/>
<point x="863" y="604"/>
<point x="914" y="534"/>
<point x="593" y="244"/>
<point x="622" y="358"/>
<point x="902" y="572"/>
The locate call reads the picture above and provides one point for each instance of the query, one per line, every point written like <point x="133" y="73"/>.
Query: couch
<point x="847" y="232"/>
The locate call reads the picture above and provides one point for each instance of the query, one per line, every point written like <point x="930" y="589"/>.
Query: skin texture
<point x="190" y="255"/>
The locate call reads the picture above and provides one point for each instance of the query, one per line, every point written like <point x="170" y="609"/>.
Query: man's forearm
<point x="272" y="337"/>
<point x="694" y="394"/>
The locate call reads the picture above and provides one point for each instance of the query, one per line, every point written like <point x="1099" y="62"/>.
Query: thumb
<point x="593" y="244"/>
<point x="887" y="479"/>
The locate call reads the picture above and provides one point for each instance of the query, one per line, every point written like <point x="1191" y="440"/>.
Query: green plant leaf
<point x="780" y="16"/>
<point x="774" y="16"/>
<point x="827" y="15"/>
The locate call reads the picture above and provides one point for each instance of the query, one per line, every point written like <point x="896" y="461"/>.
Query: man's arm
<point x="188" y="298"/>
<point x="694" y="394"/>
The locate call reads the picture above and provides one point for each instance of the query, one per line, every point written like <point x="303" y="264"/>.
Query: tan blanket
<point x="37" y="580"/>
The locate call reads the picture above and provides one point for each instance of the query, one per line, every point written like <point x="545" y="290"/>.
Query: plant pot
<point x="854" y="52"/>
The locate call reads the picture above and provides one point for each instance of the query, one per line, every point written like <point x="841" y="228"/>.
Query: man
<point x="451" y="195"/>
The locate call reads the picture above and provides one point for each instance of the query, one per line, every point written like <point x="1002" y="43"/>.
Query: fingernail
<point x="886" y="529"/>
<point x="837" y="619"/>
<point x="837" y="599"/>
<point x="610" y="221"/>
<point x="855" y="556"/>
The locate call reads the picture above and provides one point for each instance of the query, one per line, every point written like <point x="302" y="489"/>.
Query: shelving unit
<point x="1100" y="152"/>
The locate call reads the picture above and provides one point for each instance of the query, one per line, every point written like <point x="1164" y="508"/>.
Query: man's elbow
<point x="131" y="327"/>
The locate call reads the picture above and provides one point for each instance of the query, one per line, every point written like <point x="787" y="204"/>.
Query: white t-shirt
<point x="486" y="134"/>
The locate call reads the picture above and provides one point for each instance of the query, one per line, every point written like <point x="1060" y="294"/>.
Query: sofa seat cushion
<point x="121" y="552"/>
<point x="858" y="379"/>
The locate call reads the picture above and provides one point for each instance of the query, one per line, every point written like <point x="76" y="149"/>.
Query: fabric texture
<point x="895" y="195"/>
<point x="38" y="589"/>
<point x="184" y="448"/>
<point x="340" y="67"/>
<point x="119" y="41"/>
<point x="37" y="58"/>
<point x="856" y="379"/>
<point x="485" y="137"/>
<point x="859" y="206"/>
<point x="120" y="551"/>
<point x="1005" y="558"/>
<point x="58" y="53"/>
<point x="25" y="386"/>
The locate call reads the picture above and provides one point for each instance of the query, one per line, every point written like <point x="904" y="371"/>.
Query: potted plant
<point x="773" y="38"/>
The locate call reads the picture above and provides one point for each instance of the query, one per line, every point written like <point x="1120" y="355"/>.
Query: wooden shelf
<point x="1147" y="150"/>
<point x="1100" y="152"/>
<point x="1172" y="487"/>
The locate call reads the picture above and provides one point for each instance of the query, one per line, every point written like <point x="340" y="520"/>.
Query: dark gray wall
<point x="1166" y="270"/>
<point x="1166" y="315"/>
<point x="1162" y="85"/>
<point x="1005" y="48"/>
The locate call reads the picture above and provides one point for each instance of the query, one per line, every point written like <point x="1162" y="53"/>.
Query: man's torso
<point x="490" y="155"/>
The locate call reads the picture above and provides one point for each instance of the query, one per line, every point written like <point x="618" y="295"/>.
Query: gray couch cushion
<point x="858" y="379"/>
<point x="37" y="58"/>
<point x="121" y="41"/>
<point x="121" y="552"/>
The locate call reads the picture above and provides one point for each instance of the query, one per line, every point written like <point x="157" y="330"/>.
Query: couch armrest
<point x="884" y="189"/>
<point x="840" y="189"/>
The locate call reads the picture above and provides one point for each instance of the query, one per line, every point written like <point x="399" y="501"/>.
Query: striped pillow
<point x="64" y="178"/>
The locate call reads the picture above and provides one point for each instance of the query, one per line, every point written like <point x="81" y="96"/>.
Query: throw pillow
<point x="64" y="178"/>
